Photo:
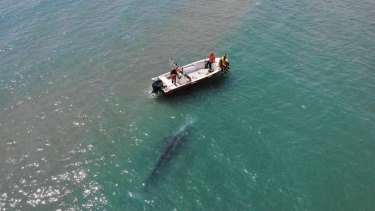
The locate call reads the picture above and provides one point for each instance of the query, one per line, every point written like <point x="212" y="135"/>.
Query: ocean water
<point x="291" y="127"/>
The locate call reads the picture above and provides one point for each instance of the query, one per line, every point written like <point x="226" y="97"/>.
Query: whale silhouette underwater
<point x="173" y="142"/>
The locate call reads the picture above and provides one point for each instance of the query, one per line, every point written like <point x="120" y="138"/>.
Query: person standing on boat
<point x="224" y="63"/>
<point x="211" y="60"/>
<point x="174" y="75"/>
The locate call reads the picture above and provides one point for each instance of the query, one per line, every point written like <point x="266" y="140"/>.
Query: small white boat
<point x="187" y="75"/>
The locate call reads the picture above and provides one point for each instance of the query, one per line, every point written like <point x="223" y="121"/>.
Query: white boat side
<point x="191" y="74"/>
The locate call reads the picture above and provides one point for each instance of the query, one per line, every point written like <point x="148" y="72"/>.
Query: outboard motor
<point x="157" y="85"/>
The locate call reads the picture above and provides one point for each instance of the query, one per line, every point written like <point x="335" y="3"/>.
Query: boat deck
<point x="192" y="73"/>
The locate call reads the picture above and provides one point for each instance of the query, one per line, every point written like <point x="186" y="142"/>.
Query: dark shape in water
<point x="157" y="85"/>
<point x="172" y="144"/>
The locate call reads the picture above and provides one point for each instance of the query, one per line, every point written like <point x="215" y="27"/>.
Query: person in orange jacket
<point x="211" y="60"/>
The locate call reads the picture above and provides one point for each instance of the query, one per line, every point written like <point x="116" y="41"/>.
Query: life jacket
<point x="225" y="60"/>
<point x="212" y="58"/>
<point x="221" y="65"/>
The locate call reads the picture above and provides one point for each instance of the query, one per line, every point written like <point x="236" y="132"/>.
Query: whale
<point x="173" y="142"/>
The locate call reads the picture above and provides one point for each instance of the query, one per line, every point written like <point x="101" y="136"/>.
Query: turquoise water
<point x="291" y="127"/>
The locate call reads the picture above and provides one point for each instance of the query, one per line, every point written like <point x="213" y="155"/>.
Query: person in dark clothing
<point x="174" y="75"/>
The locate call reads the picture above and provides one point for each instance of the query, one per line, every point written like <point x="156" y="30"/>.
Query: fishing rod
<point x="174" y="64"/>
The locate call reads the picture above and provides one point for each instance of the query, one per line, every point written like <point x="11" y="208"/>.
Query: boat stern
<point x="157" y="85"/>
